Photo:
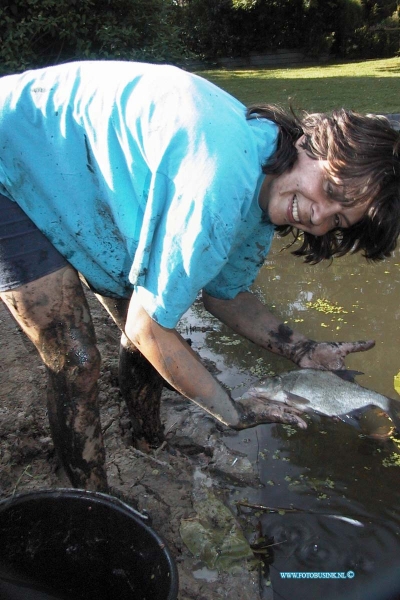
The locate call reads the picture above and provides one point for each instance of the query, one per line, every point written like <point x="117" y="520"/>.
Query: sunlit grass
<point x="365" y="86"/>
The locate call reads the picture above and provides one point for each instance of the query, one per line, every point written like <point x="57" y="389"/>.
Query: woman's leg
<point x="140" y="384"/>
<point x="53" y="313"/>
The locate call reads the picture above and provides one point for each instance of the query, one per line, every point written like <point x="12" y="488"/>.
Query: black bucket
<point x="74" y="545"/>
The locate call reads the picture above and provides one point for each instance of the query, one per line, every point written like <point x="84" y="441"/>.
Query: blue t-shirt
<point x="144" y="177"/>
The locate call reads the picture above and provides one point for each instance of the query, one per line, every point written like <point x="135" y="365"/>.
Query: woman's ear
<point x="300" y="141"/>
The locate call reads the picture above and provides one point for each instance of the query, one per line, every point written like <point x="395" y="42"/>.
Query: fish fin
<point x="347" y="374"/>
<point x="295" y="399"/>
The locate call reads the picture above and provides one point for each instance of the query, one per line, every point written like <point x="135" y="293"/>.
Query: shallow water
<point x="329" y="469"/>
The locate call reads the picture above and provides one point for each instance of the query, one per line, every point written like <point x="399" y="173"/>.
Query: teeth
<point x="295" y="210"/>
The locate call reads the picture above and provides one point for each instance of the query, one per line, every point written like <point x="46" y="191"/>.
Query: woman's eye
<point x="337" y="221"/>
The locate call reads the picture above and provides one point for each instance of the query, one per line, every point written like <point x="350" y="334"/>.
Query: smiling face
<point x="305" y="198"/>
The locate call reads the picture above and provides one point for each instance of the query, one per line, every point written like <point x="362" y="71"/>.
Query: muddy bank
<point x="184" y="485"/>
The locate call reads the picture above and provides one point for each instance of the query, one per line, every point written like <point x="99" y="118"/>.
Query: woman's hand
<point x="329" y="356"/>
<point x="247" y="316"/>
<point x="254" y="411"/>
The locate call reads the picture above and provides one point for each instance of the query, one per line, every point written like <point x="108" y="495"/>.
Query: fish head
<point x="272" y="389"/>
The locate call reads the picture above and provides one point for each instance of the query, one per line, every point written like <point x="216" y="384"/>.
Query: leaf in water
<point x="214" y="536"/>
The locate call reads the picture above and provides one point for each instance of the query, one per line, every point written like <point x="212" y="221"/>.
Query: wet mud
<point x="168" y="482"/>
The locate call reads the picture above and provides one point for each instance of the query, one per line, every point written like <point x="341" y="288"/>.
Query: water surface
<point x="329" y="469"/>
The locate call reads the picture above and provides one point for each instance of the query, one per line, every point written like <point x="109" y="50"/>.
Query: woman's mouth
<point x="295" y="209"/>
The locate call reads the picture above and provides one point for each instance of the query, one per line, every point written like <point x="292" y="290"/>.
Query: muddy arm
<point x="180" y="366"/>
<point x="173" y="358"/>
<point x="249" y="317"/>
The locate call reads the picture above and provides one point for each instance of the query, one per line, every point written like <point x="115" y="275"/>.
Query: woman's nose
<point x="323" y="211"/>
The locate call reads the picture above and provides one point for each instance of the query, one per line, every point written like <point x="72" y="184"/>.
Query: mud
<point x="169" y="482"/>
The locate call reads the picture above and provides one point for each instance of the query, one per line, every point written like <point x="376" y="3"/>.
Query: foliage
<point x="330" y="25"/>
<point x="246" y="4"/>
<point x="40" y="32"/>
<point x="215" y="28"/>
<point x="209" y="28"/>
<point x="376" y="11"/>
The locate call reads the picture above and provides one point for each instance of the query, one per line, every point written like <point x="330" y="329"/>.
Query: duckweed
<point x="397" y="382"/>
<point x="323" y="305"/>
<point x="392" y="461"/>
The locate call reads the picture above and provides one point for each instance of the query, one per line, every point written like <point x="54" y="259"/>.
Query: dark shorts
<point x="25" y="253"/>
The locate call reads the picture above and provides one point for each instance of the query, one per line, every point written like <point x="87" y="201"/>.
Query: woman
<point x="153" y="185"/>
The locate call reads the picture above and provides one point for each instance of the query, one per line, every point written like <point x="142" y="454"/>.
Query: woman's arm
<point x="249" y="317"/>
<point x="180" y="366"/>
<point x="174" y="359"/>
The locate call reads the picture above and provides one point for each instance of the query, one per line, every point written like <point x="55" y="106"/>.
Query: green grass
<point x="367" y="86"/>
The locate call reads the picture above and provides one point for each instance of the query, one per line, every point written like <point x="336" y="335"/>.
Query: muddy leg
<point x="139" y="382"/>
<point x="74" y="415"/>
<point x="53" y="313"/>
<point x="141" y="386"/>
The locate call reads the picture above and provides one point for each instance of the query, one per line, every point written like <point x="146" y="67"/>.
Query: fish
<point x="333" y="394"/>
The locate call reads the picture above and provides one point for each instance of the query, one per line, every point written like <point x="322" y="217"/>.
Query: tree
<point x="237" y="27"/>
<point x="375" y="11"/>
<point x="330" y="25"/>
<point x="41" y="32"/>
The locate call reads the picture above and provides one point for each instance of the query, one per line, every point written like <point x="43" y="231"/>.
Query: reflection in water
<point x="324" y="472"/>
<point x="329" y="469"/>
<point x="338" y="473"/>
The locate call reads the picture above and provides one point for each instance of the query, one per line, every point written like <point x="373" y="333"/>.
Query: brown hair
<point x="363" y="154"/>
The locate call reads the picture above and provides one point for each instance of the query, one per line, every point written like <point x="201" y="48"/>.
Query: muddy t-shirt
<point x="144" y="177"/>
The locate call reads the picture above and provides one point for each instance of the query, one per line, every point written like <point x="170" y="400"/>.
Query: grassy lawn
<point x="367" y="86"/>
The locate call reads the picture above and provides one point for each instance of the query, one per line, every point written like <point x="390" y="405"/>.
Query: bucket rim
<point x="99" y="497"/>
<point x="109" y="501"/>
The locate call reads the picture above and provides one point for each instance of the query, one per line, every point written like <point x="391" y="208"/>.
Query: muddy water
<point x="329" y="470"/>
